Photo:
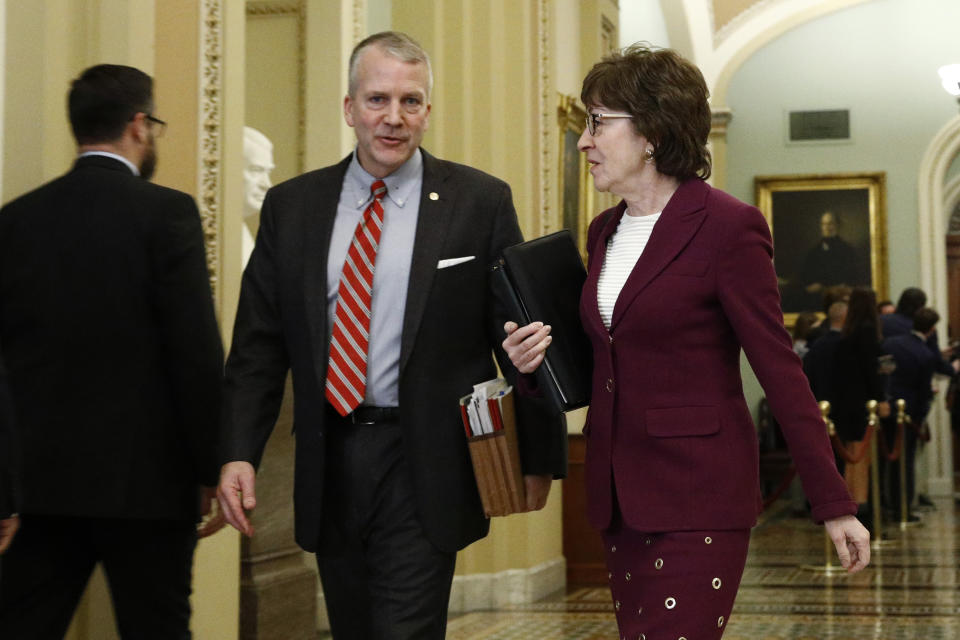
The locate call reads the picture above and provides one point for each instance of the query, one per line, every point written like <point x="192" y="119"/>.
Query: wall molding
<point x="547" y="122"/>
<point x="209" y="179"/>
<point x="296" y="9"/>
<point x="491" y="591"/>
<point x="932" y="224"/>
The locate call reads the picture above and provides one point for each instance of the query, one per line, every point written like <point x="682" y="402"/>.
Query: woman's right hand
<point x="526" y="346"/>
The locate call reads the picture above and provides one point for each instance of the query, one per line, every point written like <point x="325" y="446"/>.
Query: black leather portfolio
<point x="541" y="280"/>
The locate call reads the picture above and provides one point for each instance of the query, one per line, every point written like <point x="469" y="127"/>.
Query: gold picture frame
<point x="576" y="202"/>
<point x="813" y="250"/>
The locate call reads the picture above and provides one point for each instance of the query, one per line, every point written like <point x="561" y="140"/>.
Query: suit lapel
<point x="319" y="211"/>
<point x="678" y="223"/>
<point x="433" y="221"/>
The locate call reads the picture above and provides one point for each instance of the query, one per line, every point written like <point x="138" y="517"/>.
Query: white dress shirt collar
<point x="116" y="156"/>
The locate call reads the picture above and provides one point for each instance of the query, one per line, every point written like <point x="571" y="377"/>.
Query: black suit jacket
<point x="111" y="344"/>
<point x="911" y="380"/>
<point x="450" y="325"/>
<point x="9" y="452"/>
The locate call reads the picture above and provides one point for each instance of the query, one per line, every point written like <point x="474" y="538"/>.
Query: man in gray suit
<point x="384" y="487"/>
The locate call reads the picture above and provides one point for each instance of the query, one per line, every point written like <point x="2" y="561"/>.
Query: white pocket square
<point x="449" y="262"/>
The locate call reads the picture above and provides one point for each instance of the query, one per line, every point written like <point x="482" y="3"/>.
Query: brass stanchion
<point x="901" y="411"/>
<point x="872" y="423"/>
<point x="827" y="566"/>
<point x="902" y="420"/>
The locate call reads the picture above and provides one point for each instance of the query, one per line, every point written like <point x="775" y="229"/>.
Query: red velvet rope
<point x="845" y="454"/>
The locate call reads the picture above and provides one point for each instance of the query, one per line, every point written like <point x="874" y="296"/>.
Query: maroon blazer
<point x="668" y="423"/>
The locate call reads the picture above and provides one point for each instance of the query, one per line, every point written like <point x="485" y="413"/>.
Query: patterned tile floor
<point x="911" y="591"/>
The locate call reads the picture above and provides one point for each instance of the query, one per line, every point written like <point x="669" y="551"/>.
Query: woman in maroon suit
<point x="680" y="279"/>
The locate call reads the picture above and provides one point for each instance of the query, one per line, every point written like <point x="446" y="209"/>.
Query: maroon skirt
<point x="674" y="585"/>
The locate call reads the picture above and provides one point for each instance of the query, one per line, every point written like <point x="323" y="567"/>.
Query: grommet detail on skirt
<point x="670" y="603"/>
<point x="659" y="563"/>
<point x="716" y="583"/>
<point x="643" y="636"/>
<point x="610" y="575"/>
<point x="682" y="638"/>
<point x="708" y="540"/>
<point x="616" y="605"/>
<point x="613" y="549"/>
<point x="640" y="611"/>
<point x="627" y="576"/>
<point x="719" y="622"/>
<point x="649" y="541"/>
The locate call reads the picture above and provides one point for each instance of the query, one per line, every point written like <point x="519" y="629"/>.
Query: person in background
<point x="818" y="363"/>
<point x="680" y="279"/>
<point x="900" y="322"/>
<point x="856" y="379"/>
<point x="115" y="365"/>
<point x="886" y="307"/>
<point x="831" y="296"/>
<point x="805" y="322"/>
<point x="910" y="381"/>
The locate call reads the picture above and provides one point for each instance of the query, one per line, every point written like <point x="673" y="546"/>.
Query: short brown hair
<point x="667" y="97"/>
<point x="925" y="319"/>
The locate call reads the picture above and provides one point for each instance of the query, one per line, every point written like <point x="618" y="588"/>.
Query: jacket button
<point x="609" y="385"/>
<point x="611" y="339"/>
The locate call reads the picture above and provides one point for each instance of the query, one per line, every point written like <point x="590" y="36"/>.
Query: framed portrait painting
<point x="828" y="229"/>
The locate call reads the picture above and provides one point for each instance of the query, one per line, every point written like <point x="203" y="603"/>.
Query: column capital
<point x="720" y="117"/>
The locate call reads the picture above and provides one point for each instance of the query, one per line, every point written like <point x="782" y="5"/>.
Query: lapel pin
<point x="434" y="195"/>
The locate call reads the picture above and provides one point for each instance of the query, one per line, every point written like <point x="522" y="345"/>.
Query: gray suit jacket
<point x="451" y="325"/>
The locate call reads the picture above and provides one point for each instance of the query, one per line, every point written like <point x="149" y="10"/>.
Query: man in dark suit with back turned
<point x="115" y="366"/>
<point x="911" y="381"/>
<point x="384" y="488"/>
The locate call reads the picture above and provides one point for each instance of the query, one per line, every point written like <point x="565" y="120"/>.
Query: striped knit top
<point x="623" y="251"/>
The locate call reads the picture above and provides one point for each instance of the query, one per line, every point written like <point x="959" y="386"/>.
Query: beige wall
<point x="273" y="89"/>
<point x="488" y="113"/>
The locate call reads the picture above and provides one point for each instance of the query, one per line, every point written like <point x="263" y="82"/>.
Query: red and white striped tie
<point x="347" y="368"/>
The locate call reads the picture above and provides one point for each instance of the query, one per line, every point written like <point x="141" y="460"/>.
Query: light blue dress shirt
<point x="391" y="273"/>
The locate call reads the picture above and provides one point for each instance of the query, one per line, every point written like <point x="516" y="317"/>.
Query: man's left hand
<point x="213" y="518"/>
<point x="8" y="527"/>
<point x="537" y="488"/>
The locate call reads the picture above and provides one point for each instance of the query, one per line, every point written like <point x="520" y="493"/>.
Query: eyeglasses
<point x="595" y="119"/>
<point x="161" y="125"/>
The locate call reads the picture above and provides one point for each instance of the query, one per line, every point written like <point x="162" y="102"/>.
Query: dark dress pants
<point x="382" y="578"/>
<point x="148" y="564"/>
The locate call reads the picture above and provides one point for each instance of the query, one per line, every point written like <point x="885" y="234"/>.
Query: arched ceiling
<point x="718" y="35"/>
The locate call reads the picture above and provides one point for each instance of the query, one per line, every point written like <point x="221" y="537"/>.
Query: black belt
<point x="369" y="415"/>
